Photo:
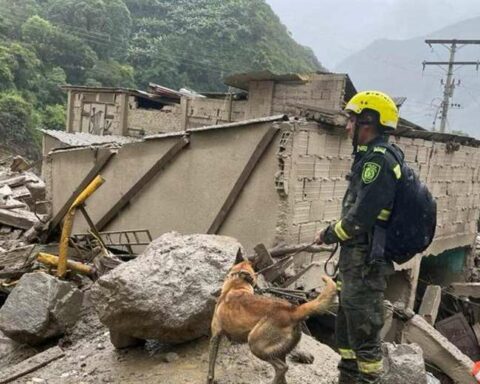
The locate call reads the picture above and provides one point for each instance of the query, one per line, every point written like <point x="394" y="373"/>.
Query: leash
<point x="335" y="268"/>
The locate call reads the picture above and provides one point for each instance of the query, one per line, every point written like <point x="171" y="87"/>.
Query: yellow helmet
<point x="376" y="101"/>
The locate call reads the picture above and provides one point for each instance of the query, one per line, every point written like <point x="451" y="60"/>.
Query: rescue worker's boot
<point x="348" y="371"/>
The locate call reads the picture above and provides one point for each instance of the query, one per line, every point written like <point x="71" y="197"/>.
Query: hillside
<point x="396" y="67"/>
<point x="178" y="43"/>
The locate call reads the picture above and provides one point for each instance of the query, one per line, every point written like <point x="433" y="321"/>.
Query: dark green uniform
<point x="366" y="206"/>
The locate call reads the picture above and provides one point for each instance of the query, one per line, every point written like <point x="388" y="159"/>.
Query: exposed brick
<point x="301" y="212"/>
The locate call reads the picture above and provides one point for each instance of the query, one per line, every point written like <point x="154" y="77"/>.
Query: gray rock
<point x="404" y="364"/>
<point x="39" y="308"/>
<point x="168" y="293"/>
<point x="12" y="352"/>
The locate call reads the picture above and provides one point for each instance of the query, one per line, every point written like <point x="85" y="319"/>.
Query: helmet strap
<point x="355" y="138"/>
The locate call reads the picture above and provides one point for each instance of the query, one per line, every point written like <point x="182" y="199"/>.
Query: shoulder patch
<point x="370" y="172"/>
<point x="380" y="150"/>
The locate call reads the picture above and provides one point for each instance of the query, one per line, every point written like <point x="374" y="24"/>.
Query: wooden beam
<point x="30" y="365"/>
<point x="140" y="184"/>
<point x="102" y="160"/>
<point x="242" y="180"/>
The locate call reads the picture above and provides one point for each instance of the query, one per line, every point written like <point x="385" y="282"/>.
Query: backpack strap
<point x="397" y="155"/>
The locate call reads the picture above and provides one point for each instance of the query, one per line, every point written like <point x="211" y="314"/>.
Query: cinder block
<point x="322" y="168"/>
<point x="300" y="142"/>
<point x="332" y="210"/>
<point x="422" y="155"/>
<point x="327" y="190"/>
<point x="332" y="145"/>
<point x="311" y="189"/>
<point x="317" y="210"/>
<point x="301" y="212"/>
<point x="305" y="167"/>
<point x="316" y="143"/>
<point x="307" y="232"/>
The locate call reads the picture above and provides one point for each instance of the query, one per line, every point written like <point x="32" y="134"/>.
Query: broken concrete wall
<point x="189" y="193"/>
<point x="151" y="121"/>
<point x="202" y="112"/>
<point x="101" y="113"/>
<point x="322" y="91"/>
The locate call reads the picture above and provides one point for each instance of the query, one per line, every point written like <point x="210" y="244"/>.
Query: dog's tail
<point x="318" y="305"/>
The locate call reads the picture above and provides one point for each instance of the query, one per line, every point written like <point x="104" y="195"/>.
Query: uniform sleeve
<point x="376" y="195"/>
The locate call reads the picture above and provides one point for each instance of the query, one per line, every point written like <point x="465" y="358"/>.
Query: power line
<point x="452" y="46"/>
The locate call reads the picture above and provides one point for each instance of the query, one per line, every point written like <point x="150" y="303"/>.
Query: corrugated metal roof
<point x="82" y="139"/>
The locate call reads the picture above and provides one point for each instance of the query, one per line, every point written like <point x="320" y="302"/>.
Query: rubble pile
<point x="22" y="205"/>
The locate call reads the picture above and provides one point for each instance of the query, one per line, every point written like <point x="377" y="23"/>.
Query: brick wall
<point x="151" y="121"/>
<point x="321" y="158"/>
<point x="323" y="91"/>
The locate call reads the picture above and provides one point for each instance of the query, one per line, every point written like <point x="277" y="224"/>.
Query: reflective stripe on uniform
<point x="384" y="215"/>
<point x="347" y="354"/>
<point x="370" y="366"/>
<point x="379" y="150"/>
<point x="339" y="285"/>
<point x="397" y="170"/>
<point x="362" y="148"/>
<point x="340" y="232"/>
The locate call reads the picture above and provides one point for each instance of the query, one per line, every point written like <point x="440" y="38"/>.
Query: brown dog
<point x="270" y="326"/>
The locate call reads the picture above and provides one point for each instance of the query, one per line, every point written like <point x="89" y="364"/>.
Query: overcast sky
<point x="336" y="28"/>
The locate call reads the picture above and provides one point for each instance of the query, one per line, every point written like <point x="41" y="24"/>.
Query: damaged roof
<point x="159" y="98"/>
<point x="82" y="139"/>
<point x="242" y="80"/>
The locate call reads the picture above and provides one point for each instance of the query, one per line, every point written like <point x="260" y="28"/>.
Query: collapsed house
<point x="265" y="164"/>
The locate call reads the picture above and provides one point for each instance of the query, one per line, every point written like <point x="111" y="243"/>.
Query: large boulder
<point x="168" y="293"/>
<point x="404" y="364"/>
<point x="39" y="308"/>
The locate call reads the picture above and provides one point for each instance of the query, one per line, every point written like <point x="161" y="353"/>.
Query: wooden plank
<point x="242" y="180"/>
<point x="278" y="269"/>
<point x="102" y="160"/>
<point x="30" y="365"/>
<point x="140" y="184"/>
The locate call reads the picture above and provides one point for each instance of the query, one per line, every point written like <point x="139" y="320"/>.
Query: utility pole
<point x="449" y="87"/>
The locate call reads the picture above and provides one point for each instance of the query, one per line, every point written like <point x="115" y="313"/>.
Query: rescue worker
<point x="366" y="209"/>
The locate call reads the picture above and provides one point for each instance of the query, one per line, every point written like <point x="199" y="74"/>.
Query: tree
<point x="54" y="117"/>
<point x="103" y="24"/>
<point x="111" y="74"/>
<point x="16" y="124"/>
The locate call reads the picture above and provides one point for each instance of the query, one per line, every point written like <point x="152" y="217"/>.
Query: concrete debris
<point x="431" y="303"/>
<point x="403" y="364"/>
<point x="39" y="308"/>
<point x="438" y="350"/>
<point x="168" y="293"/>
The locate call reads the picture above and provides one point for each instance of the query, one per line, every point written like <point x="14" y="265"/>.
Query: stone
<point x="432" y="379"/>
<point x="168" y="293"/>
<point x="121" y="341"/>
<point x="39" y="308"/>
<point x="12" y="352"/>
<point x="170" y="357"/>
<point x="403" y="364"/>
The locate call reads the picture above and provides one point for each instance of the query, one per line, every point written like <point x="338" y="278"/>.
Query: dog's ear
<point x="240" y="257"/>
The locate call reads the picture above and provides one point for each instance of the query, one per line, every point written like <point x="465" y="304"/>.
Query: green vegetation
<point x="128" y="43"/>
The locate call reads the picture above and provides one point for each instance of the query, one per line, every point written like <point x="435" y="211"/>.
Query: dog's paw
<point x="302" y="357"/>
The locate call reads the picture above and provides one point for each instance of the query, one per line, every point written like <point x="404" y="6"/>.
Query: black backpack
<point x="413" y="221"/>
